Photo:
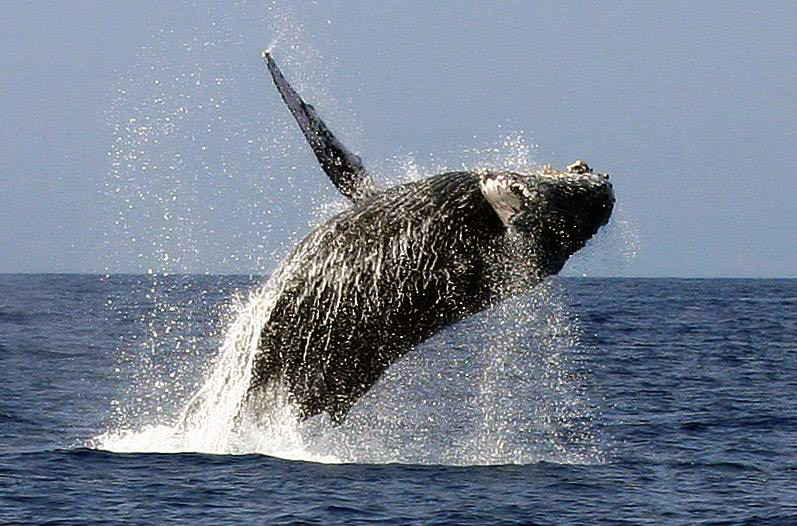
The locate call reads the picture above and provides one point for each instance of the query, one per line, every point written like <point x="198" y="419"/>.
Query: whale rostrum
<point x="401" y="263"/>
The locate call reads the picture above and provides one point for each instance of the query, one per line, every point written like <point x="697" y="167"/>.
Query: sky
<point x="146" y="136"/>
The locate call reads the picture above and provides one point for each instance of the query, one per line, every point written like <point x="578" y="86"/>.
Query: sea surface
<point x="587" y="401"/>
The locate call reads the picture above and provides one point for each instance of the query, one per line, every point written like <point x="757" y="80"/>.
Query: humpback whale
<point x="401" y="263"/>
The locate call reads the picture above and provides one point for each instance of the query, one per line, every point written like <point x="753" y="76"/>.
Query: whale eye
<point x="579" y="167"/>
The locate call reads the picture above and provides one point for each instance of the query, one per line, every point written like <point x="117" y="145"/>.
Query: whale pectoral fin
<point x="343" y="167"/>
<point x="504" y="199"/>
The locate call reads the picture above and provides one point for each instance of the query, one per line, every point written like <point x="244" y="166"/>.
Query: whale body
<point x="401" y="263"/>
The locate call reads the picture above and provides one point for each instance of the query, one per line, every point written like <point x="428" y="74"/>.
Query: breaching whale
<point x="401" y="263"/>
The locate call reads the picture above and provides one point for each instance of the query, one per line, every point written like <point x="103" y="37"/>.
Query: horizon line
<point x="264" y="274"/>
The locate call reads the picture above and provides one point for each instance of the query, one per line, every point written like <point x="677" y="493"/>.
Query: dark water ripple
<point x="76" y="486"/>
<point x="696" y="382"/>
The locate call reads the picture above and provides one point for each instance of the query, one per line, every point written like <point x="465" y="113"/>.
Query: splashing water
<point x="497" y="388"/>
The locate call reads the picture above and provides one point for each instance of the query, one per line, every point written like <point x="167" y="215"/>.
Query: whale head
<point x="555" y="211"/>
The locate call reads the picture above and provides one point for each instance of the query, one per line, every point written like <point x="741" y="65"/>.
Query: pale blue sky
<point x="692" y="107"/>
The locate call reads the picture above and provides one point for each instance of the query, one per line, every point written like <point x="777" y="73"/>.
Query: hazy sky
<point x="146" y="135"/>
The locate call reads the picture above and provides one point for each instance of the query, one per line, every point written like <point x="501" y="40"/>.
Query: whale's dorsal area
<point x="343" y="167"/>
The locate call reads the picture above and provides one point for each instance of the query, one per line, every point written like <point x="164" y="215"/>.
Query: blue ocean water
<point x="618" y="401"/>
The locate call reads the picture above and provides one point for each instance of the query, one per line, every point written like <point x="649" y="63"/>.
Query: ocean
<point x="586" y="401"/>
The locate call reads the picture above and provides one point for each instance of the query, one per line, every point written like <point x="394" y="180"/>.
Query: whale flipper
<point x="342" y="166"/>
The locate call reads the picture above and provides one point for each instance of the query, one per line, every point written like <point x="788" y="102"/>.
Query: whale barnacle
<point x="579" y="167"/>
